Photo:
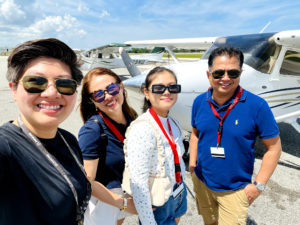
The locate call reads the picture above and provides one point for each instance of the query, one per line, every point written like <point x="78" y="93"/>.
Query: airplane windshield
<point x="260" y="50"/>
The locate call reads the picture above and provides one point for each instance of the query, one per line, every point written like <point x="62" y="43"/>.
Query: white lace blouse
<point x="143" y="160"/>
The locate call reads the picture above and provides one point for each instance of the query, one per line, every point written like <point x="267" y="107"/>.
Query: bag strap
<point x="103" y="135"/>
<point x="159" y="145"/>
<point x="104" y="143"/>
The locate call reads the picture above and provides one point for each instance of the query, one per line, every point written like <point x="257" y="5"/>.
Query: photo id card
<point x="218" y="152"/>
<point x="178" y="191"/>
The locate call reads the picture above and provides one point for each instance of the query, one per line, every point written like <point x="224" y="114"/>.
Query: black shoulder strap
<point x="103" y="135"/>
<point x="102" y="170"/>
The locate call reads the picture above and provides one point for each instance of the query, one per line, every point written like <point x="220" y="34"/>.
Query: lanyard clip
<point x="177" y="167"/>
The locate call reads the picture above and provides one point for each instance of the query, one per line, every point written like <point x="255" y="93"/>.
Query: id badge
<point x="178" y="191"/>
<point x="218" y="152"/>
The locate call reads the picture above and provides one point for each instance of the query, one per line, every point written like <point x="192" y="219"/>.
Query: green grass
<point x="185" y="55"/>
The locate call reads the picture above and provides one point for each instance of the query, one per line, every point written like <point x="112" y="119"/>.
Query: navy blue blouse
<point x="110" y="153"/>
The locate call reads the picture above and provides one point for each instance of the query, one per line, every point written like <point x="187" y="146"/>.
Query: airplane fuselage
<point x="271" y="71"/>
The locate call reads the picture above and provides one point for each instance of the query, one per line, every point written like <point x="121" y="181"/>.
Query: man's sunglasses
<point x="99" y="96"/>
<point x="233" y="74"/>
<point x="38" y="84"/>
<point x="160" y="88"/>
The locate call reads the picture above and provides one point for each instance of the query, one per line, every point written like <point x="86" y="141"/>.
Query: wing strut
<point x="131" y="67"/>
<point x="172" y="54"/>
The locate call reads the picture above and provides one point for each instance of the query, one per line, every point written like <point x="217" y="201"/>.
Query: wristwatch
<point x="259" y="186"/>
<point x="124" y="204"/>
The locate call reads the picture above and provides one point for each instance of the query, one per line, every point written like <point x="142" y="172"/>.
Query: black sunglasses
<point x="160" y="88"/>
<point x="99" y="96"/>
<point x="233" y="74"/>
<point x="38" y="84"/>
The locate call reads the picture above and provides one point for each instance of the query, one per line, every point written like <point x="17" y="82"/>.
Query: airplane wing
<point x="185" y="43"/>
<point x="106" y="49"/>
<point x="288" y="38"/>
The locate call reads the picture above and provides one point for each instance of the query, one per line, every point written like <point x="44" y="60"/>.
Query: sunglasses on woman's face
<point x="160" y="88"/>
<point x="37" y="84"/>
<point x="99" y="96"/>
<point x="233" y="74"/>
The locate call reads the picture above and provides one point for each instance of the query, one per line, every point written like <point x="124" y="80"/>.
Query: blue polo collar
<point x="230" y="101"/>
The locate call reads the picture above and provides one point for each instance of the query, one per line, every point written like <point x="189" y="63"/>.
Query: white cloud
<point x="104" y="13"/>
<point x="53" y="23"/>
<point x="11" y="12"/>
<point x="82" y="8"/>
<point x="56" y="26"/>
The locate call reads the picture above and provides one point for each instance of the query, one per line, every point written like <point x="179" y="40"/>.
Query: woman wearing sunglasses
<point x="42" y="178"/>
<point x="106" y="115"/>
<point x="154" y="144"/>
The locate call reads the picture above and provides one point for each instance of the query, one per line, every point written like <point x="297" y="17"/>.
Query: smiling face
<point x="161" y="103"/>
<point x="223" y="88"/>
<point x="112" y="105"/>
<point x="43" y="112"/>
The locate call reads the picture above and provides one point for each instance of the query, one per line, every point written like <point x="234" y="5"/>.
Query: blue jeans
<point x="172" y="209"/>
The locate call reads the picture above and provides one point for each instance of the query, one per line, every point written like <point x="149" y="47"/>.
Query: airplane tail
<point x="158" y="50"/>
<point x="131" y="67"/>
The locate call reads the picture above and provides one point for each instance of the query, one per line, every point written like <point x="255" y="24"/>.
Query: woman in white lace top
<point x="161" y="90"/>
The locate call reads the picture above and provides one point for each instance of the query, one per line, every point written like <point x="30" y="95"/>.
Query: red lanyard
<point x="220" y="128"/>
<point x="112" y="127"/>
<point x="171" y="142"/>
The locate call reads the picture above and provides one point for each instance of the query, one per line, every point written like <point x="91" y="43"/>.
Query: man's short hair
<point x="226" y="50"/>
<point x="23" y="54"/>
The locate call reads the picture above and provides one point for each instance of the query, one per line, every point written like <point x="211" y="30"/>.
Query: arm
<point x="268" y="165"/>
<point x="193" y="149"/>
<point x="100" y="192"/>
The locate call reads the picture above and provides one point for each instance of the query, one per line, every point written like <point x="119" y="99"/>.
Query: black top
<point x="32" y="191"/>
<point x="110" y="152"/>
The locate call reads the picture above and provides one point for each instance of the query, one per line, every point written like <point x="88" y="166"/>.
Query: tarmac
<point x="278" y="204"/>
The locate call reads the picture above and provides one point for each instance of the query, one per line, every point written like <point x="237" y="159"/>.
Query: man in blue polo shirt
<point x="226" y="121"/>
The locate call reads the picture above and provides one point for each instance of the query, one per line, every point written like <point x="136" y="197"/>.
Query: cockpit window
<point x="291" y="63"/>
<point x="260" y="51"/>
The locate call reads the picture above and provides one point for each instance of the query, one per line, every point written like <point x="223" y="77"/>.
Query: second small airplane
<point x="104" y="56"/>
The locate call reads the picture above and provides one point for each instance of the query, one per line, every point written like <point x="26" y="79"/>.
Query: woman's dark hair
<point x="87" y="107"/>
<point x="23" y="54"/>
<point x="149" y="79"/>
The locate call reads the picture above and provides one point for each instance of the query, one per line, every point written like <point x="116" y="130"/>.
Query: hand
<point x="130" y="206"/>
<point x="251" y="192"/>
<point x="192" y="167"/>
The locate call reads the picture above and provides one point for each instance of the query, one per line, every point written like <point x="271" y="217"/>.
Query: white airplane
<point x="271" y="70"/>
<point x="105" y="56"/>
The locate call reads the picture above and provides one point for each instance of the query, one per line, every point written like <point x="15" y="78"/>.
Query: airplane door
<point x="286" y="98"/>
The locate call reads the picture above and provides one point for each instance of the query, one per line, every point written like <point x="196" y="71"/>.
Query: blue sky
<point x="91" y="23"/>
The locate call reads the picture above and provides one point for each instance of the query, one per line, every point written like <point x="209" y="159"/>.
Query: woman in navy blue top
<point x="106" y="116"/>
